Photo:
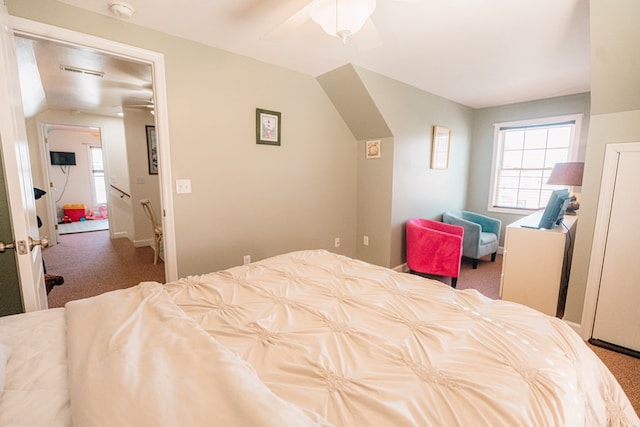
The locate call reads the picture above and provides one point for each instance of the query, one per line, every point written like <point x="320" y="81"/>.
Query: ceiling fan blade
<point x="294" y="21"/>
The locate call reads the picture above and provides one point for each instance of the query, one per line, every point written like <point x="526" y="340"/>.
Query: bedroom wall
<point x="375" y="175"/>
<point x="615" y="118"/>
<point x="482" y="146"/>
<point x="400" y="184"/>
<point x="417" y="190"/>
<point x="142" y="184"/>
<point x="247" y="199"/>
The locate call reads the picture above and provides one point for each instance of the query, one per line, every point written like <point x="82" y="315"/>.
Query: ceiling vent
<point x="82" y="71"/>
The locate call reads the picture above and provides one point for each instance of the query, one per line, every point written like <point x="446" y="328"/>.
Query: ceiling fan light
<point x="342" y="18"/>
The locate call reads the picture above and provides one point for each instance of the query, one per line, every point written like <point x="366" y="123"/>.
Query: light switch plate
<point x="183" y="186"/>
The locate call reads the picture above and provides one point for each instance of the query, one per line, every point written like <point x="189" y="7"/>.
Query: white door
<point x="617" y="315"/>
<point x="17" y="174"/>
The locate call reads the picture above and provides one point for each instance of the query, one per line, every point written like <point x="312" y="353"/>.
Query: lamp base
<point x="572" y="207"/>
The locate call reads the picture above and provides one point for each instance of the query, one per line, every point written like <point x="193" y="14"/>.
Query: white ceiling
<point x="479" y="53"/>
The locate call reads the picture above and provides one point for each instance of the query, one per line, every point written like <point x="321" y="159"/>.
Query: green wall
<point x="482" y="147"/>
<point x="399" y="185"/>
<point x="417" y="190"/>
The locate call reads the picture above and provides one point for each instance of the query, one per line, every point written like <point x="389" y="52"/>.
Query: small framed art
<point x="440" y="147"/>
<point x="152" y="150"/>
<point x="268" y="127"/>
<point x="373" y="149"/>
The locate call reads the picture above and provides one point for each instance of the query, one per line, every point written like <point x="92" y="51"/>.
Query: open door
<point x="22" y="241"/>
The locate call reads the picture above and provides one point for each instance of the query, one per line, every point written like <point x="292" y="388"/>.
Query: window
<point x="97" y="175"/>
<point x="525" y="153"/>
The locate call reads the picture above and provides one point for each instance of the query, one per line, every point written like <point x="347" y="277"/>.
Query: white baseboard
<point x="120" y="235"/>
<point x="142" y="243"/>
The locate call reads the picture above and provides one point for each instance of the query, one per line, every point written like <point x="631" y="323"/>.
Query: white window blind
<point x="525" y="155"/>
<point x="97" y="175"/>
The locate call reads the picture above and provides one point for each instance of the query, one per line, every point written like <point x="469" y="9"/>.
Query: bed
<point x="308" y="338"/>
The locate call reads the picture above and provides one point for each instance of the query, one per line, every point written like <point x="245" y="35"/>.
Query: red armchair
<point x="434" y="248"/>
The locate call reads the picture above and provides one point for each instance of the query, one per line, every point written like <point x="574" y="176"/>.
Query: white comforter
<point x="313" y="338"/>
<point x="135" y="359"/>
<point x="366" y="346"/>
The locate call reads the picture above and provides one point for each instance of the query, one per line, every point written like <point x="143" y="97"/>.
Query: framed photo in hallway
<point x="152" y="150"/>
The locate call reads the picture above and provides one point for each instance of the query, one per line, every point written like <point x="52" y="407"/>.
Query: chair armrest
<point x="488" y="224"/>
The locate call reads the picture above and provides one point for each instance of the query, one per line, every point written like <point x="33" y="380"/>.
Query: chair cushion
<point x="487" y="238"/>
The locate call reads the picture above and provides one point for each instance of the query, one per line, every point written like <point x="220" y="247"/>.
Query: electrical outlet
<point x="246" y="259"/>
<point x="365" y="240"/>
<point x="336" y="242"/>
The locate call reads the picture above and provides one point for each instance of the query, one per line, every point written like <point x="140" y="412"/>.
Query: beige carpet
<point x="486" y="278"/>
<point x="92" y="263"/>
<point x="626" y="369"/>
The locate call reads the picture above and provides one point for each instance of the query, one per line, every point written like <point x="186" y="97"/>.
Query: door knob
<point x="4" y="246"/>
<point x="43" y="242"/>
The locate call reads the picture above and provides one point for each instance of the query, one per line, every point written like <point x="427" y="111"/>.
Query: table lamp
<point x="568" y="174"/>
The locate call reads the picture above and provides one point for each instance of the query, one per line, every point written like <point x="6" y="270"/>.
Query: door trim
<point x="607" y="187"/>
<point x="156" y="60"/>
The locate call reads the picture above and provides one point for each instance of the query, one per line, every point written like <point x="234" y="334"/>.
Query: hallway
<point x="92" y="263"/>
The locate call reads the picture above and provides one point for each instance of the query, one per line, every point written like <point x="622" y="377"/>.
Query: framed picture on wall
<point x="440" y="147"/>
<point x="373" y="149"/>
<point x="268" y="127"/>
<point x="152" y="150"/>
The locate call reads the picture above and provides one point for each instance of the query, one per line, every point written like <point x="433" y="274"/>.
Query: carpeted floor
<point x="626" y="369"/>
<point x="92" y="263"/>
<point x="83" y="226"/>
<point x="486" y="278"/>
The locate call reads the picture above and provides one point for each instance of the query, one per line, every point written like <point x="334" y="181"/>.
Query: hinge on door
<point x="51" y="185"/>
<point x="55" y="227"/>
<point x="22" y="247"/>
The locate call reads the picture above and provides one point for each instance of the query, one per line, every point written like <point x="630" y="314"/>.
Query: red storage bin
<point x="74" y="212"/>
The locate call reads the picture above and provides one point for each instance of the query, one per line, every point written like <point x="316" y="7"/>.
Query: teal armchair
<point x="481" y="233"/>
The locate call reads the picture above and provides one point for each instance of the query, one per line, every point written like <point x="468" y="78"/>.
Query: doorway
<point x="155" y="63"/>
<point x="86" y="91"/>
<point x="76" y="173"/>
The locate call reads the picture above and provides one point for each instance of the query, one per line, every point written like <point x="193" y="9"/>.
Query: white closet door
<point x="618" y="308"/>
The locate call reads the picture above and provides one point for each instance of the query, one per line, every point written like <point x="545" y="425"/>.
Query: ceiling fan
<point x="338" y="18"/>
<point x="143" y="104"/>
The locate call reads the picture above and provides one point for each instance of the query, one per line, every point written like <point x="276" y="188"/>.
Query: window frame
<point x="92" y="173"/>
<point x="529" y="123"/>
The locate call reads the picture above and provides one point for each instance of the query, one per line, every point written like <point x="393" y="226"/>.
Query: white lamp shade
<point x="342" y="18"/>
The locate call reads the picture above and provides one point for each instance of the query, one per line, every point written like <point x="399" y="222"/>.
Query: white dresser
<point x="535" y="264"/>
